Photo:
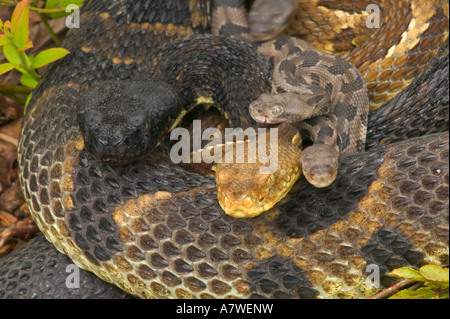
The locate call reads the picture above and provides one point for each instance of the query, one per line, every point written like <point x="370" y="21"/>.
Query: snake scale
<point x="156" y="230"/>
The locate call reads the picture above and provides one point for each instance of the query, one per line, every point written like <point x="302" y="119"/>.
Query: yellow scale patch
<point x="322" y="27"/>
<point x="422" y="12"/>
<point x="169" y="29"/>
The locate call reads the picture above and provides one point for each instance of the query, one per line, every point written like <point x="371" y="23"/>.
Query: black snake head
<point x="123" y="120"/>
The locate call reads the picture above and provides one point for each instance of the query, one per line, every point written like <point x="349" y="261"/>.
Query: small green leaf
<point x="18" y="12"/>
<point x="48" y="56"/>
<point x="5" y="67"/>
<point x="407" y="273"/>
<point x="11" y="54"/>
<point x="7" y="25"/>
<point x="434" y="273"/>
<point x="56" y="4"/>
<point x="20" y="69"/>
<point x="30" y="59"/>
<point x="4" y="40"/>
<point x="19" y="21"/>
<point x="421" y="293"/>
<point x="25" y="45"/>
<point x="27" y="101"/>
<point x="28" y="80"/>
<point x="61" y="4"/>
<point x="53" y="4"/>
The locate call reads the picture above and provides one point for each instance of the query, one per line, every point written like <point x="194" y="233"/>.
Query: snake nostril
<point x="116" y="139"/>
<point x="103" y="140"/>
<point x="236" y="195"/>
<point x="93" y="118"/>
<point x="110" y="141"/>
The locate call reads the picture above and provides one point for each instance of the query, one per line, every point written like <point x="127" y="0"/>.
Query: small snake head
<point x="320" y="164"/>
<point x="268" y="109"/>
<point x="250" y="185"/>
<point x="268" y="19"/>
<point x="121" y="121"/>
<point x="287" y="107"/>
<point x="242" y="190"/>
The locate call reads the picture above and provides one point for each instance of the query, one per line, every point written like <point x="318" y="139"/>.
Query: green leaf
<point x="19" y="10"/>
<point x="434" y="273"/>
<point x="48" y="56"/>
<point x="5" y="67"/>
<point x="61" y="4"/>
<point x="6" y="26"/>
<point x="20" y="69"/>
<point x="26" y="45"/>
<point x="27" y="101"/>
<point x="4" y="40"/>
<point x="19" y="21"/>
<point x="407" y="273"/>
<point x="11" y="54"/>
<point x="28" y="80"/>
<point x="56" y="4"/>
<point x="30" y="59"/>
<point x="421" y="293"/>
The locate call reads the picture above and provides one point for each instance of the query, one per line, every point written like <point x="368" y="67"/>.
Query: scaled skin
<point x="247" y="189"/>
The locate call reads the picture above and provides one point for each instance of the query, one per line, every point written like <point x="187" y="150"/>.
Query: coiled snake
<point x="156" y="230"/>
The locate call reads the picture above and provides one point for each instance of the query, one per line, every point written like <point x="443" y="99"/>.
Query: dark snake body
<point x="156" y="230"/>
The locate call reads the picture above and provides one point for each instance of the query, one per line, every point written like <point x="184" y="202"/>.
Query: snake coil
<point x="156" y="230"/>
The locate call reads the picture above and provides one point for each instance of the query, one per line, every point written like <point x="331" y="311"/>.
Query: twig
<point x="18" y="89"/>
<point x="14" y="97"/>
<point x="24" y="232"/>
<point x="49" y="29"/>
<point x="393" y="289"/>
<point x="416" y="286"/>
<point x="9" y="139"/>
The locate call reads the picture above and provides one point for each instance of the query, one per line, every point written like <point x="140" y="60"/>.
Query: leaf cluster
<point x="434" y="278"/>
<point x="14" y="41"/>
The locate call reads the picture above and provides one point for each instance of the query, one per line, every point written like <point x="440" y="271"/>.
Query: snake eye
<point x="276" y="110"/>
<point x="224" y="176"/>
<point x="265" y="178"/>
<point x="137" y="119"/>
<point x="280" y="21"/>
<point x="93" y="118"/>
